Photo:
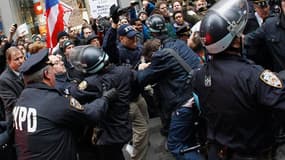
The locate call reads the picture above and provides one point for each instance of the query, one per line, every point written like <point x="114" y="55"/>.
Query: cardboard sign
<point x="101" y="7"/>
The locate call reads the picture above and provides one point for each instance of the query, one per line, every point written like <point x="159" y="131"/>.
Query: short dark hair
<point x="133" y="21"/>
<point x="176" y="12"/>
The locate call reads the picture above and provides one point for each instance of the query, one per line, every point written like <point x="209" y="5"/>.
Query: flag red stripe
<point x="58" y="26"/>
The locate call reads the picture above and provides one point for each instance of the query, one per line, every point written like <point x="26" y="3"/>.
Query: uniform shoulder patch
<point x="75" y="104"/>
<point x="271" y="79"/>
<point x="82" y="85"/>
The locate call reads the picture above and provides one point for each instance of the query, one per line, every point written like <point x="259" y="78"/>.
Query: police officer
<point x="171" y="86"/>
<point x="258" y="53"/>
<point x="115" y="126"/>
<point x="272" y="35"/>
<point x="128" y="50"/>
<point x="45" y="120"/>
<point x="237" y="97"/>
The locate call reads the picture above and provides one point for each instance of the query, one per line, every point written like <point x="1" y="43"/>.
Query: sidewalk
<point x="156" y="149"/>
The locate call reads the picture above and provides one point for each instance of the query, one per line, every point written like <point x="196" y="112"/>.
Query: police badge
<point x="82" y="86"/>
<point x="271" y="79"/>
<point x="75" y="104"/>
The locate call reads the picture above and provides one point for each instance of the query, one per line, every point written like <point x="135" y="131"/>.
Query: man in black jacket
<point x="115" y="126"/>
<point x="11" y="86"/>
<point x="172" y="86"/>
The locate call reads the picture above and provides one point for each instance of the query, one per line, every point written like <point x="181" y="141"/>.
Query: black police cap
<point x="35" y="62"/>
<point x="261" y="3"/>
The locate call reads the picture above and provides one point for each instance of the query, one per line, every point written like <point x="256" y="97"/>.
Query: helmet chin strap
<point x="235" y="48"/>
<point x="241" y="46"/>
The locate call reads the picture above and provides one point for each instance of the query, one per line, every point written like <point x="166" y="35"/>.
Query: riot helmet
<point x="156" y="23"/>
<point x="88" y="59"/>
<point x="222" y="23"/>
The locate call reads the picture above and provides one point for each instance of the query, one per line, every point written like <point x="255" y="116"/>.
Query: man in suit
<point x="11" y="85"/>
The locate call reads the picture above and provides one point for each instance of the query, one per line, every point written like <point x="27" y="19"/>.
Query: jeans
<point x="182" y="134"/>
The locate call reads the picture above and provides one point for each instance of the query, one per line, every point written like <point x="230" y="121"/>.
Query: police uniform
<point x="45" y="120"/>
<point x="115" y="127"/>
<point x="118" y="53"/>
<point x="237" y="99"/>
<point x="257" y="53"/>
<point x="272" y="35"/>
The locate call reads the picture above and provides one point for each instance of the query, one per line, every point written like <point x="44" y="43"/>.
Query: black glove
<point x="114" y="13"/>
<point x="111" y="95"/>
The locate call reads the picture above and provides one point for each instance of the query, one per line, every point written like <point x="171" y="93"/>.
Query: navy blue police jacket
<point x="257" y="53"/>
<point x="237" y="100"/>
<point x="115" y="125"/>
<point x="271" y="34"/>
<point x="45" y="121"/>
<point x="169" y="75"/>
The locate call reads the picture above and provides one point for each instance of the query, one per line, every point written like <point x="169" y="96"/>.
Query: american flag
<point x="54" y="19"/>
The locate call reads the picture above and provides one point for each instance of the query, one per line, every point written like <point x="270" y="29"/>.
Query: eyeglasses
<point x="176" y="17"/>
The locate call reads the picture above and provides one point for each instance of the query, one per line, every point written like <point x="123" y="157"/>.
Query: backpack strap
<point x="180" y="60"/>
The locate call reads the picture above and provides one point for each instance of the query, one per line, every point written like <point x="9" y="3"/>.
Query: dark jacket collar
<point x="12" y="73"/>
<point x="41" y="85"/>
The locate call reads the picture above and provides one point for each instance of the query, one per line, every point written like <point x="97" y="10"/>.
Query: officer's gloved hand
<point x="114" y="13"/>
<point x="111" y="95"/>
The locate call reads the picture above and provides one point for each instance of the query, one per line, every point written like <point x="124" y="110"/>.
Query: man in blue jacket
<point x="172" y="87"/>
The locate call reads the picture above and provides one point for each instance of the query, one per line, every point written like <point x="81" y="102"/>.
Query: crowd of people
<point x="211" y="70"/>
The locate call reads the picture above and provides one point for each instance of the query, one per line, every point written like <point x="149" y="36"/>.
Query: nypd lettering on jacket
<point x="25" y="118"/>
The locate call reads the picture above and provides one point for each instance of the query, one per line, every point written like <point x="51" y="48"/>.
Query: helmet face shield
<point x="88" y="59"/>
<point x="75" y="59"/>
<point x="222" y="23"/>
